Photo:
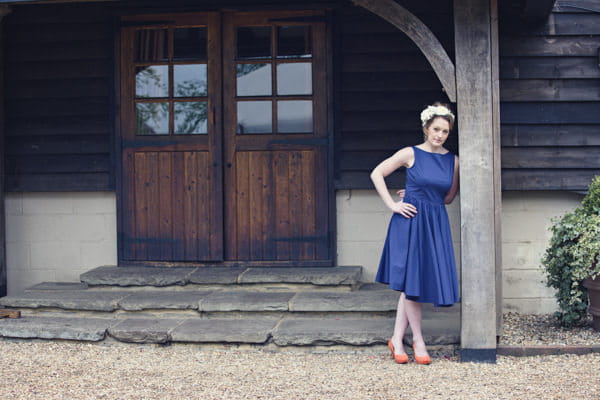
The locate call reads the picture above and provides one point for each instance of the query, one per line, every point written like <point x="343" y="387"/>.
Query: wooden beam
<point x="419" y="33"/>
<point x="4" y="11"/>
<point x="475" y="25"/>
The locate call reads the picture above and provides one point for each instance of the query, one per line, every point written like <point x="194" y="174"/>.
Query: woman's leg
<point x="415" y="315"/>
<point x="400" y="326"/>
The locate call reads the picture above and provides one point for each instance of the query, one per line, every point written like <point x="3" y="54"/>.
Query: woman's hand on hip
<point x="407" y="210"/>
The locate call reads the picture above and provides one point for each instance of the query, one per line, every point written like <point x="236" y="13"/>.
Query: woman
<point x="418" y="257"/>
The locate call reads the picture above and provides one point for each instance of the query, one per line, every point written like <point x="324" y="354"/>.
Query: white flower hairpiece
<point x="435" y="111"/>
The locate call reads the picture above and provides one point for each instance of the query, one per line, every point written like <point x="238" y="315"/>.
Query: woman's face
<point x="437" y="132"/>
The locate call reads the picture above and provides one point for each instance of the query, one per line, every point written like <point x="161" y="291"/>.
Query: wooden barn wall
<point x="58" y="68"/>
<point x="550" y="99"/>
<point x="383" y="81"/>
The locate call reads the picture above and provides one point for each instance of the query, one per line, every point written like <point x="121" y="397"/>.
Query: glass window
<point x="254" y="117"/>
<point x="294" y="78"/>
<point x="190" y="80"/>
<point x="191" y="117"/>
<point x="254" y="42"/>
<point x="152" y="81"/>
<point x="151" y="45"/>
<point x="152" y="118"/>
<point x="294" y="41"/>
<point x="254" y="80"/>
<point x="189" y="44"/>
<point x="294" y="116"/>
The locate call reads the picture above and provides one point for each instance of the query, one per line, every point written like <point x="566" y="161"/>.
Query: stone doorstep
<point x="206" y="301"/>
<point x="288" y="331"/>
<point x="178" y="276"/>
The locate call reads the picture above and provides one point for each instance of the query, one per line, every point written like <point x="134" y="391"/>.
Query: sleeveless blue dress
<point x="418" y="257"/>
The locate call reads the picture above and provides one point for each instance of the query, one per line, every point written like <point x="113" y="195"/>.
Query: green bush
<point x="573" y="254"/>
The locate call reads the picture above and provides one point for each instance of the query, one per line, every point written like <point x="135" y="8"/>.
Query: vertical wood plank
<point x="296" y="205"/>
<point x="165" y="208"/>
<point x="178" y="206"/>
<point x="475" y="101"/>
<point x="256" y="206"/>
<point x="190" y="211"/>
<point x="268" y="206"/>
<point x="204" y="225"/>
<point x="140" y="209"/>
<point x="282" y="204"/>
<point x="241" y="242"/>
<point x="309" y="192"/>
<point x="153" y="206"/>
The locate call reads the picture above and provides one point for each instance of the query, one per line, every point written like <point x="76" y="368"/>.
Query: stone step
<point x="346" y="277"/>
<point x="282" y="332"/>
<point x="205" y="301"/>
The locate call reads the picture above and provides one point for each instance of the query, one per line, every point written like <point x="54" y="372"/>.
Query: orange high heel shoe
<point x="399" y="358"/>
<point x="426" y="360"/>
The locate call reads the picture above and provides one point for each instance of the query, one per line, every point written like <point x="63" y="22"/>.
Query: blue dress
<point x="418" y="257"/>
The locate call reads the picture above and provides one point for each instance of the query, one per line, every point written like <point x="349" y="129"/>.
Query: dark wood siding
<point x="550" y="100"/>
<point x="59" y="67"/>
<point x="383" y="83"/>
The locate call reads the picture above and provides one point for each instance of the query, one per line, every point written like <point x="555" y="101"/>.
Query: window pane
<point x="294" y="78"/>
<point x="254" y="117"/>
<point x="294" y="41"/>
<point x="189" y="44"/>
<point x="152" y="118"/>
<point x="151" y="45"/>
<point x="294" y="116"/>
<point x="254" y="80"/>
<point x="152" y="81"/>
<point x="191" y="117"/>
<point x="190" y="80"/>
<point x="254" y="42"/>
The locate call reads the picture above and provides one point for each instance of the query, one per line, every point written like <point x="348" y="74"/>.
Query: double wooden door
<point x="224" y="139"/>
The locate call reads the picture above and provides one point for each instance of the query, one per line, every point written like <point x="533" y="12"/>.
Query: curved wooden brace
<point x="419" y="33"/>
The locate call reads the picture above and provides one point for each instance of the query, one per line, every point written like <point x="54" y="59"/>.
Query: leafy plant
<point x="573" y="255"/>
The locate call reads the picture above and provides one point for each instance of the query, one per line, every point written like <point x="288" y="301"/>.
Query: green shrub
<point x="573" y="255"/>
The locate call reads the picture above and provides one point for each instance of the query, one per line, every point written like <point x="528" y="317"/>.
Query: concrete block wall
<point x="362" y="222"/>
<point x="58" y="236"/>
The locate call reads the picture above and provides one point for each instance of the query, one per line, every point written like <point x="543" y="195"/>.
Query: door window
<point x="274" y="86"/>
<point x="171" y="81"/>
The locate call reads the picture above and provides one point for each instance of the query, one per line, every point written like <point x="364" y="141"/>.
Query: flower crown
<point x="435" y="111"/>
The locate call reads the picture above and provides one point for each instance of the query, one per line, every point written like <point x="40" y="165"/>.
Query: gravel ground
<point x="111" y="370"/>
<point x="533" y="330"/>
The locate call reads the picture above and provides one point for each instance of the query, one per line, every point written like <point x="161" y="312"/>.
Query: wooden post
<point x="478" y="120"/>
<point x="4" y="10"/>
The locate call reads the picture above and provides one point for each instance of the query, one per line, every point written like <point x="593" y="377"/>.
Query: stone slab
<point x="59" y="286"/>
<point x="246" y="301"/>
<point x="373" y="286"/>
<point x="162" y="300"/>
<point x="319" y="331"/>
<point x="247" y="330"/>
<point x="138" y="330"/>
<point x="315" y="276"/>
<point x="84" y="300"/>
<point x="216" y="275"/>
<point x="137" y="276"/>
<point x="369" y="300"/>
<point x="86" y="329"/>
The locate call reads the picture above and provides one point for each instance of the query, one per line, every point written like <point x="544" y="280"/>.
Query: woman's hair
<point x="437" y="109"/>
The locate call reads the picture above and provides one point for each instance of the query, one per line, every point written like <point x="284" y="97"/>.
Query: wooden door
<point x="171" y="194"/>
<point x="275" y="138"/>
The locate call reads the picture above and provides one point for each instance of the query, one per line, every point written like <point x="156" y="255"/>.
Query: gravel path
<point x="51" y="370"/>
<point x="111" y="370"/>
<point x="533" y="330"/>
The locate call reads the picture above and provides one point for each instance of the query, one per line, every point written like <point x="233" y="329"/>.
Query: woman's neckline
<point x="429" y="152"/>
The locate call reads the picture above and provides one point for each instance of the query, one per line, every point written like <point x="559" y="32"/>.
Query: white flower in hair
<point x="435" y="111"/>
